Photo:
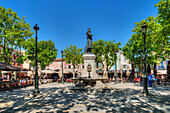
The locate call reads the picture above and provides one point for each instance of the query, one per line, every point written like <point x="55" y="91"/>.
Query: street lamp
<point x="62" y="68"/>
<point x="145" y="86"/>
<point x="36" y="90"/>
<point x="115" y="68"/>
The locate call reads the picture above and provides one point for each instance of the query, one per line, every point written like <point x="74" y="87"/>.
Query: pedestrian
<point x="153" y="79"/>
<point x="136" y="79"/>
<point x="158" y="80"/>
<point x="141" y="80"/>
<point x="150" y="80"/>
<point x="164" y="80"/>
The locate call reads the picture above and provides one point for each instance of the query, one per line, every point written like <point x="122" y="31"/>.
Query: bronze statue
<point x="88" y="47"/>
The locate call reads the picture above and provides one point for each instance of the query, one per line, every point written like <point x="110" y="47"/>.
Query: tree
<point x="109" y="53"/>
<point x="98" y="50"/>
<point x="47" y="52"/>
<point x="164" y="19"/>
<point x="156" y="44"/>
<point x="105" y="50"/>
<point x="13" y="31"/>
<point x="74" y="56"/>
<point x="29" y="47"/>
<point x="164" y="16"/>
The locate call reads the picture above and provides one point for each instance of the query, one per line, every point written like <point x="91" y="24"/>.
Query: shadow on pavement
<point x="54" y="99"/>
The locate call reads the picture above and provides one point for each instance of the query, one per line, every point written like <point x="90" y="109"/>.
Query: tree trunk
<point x="97" y="65"/>
<point x="107" y="73"/>
<point x="155" y="70"/>
<point x="6" y="58"/>
<point x="148" y="69"/>
<point x="133" y="71"/>
<point x="168" y="69"/>
<point x="73" y="72"/>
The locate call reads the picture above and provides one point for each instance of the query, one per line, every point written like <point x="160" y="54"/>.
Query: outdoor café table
<point x="45" y="81"/>
<point x="14" y="84"/>
<point x="0" y="84"/>
<point x="7" y="85"/>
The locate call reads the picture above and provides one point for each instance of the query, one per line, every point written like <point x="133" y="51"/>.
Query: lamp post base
<point x="145" y="86"/>
<point x="115" y="79"/>
<point x="36" y="92"/>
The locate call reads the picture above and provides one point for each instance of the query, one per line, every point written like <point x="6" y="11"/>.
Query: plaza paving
<point x="127" y="98"/>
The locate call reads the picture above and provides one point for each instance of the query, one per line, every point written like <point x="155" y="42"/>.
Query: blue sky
<point x="65" y="22"/>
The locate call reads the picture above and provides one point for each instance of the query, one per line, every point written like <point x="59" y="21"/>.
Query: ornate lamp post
<point x="36" y="90"/>
<point x="115" y="68"/>
<point x="145" y="86"/>
<point x="62" y="68"/>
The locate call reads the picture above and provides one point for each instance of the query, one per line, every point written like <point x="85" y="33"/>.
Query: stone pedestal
<point x="89" y="59"/>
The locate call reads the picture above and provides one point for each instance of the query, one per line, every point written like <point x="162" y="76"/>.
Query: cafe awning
<point x="10" y="67"/>
<point x="164" y="72"/>
<point x="48" y="71"/>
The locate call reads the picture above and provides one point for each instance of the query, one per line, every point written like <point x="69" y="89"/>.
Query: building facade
<point x="56" y="64"/>
<point x="121" y="62"/>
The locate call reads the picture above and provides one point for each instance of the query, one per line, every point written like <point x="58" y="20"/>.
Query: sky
<point x="65" y="22"/>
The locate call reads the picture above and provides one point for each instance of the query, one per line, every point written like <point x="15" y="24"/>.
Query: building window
<point x="69" y="66"/>
<point x="82" y="66"/>
<point x="59" y="62"/>
<point x="124" y="58"/>
<point x="51" y="67"/>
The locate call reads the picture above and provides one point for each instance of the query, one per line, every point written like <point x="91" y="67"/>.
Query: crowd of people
<point x="152" y="79"/>
<point x="155" y="80"/>
<point x="20" y="81"/>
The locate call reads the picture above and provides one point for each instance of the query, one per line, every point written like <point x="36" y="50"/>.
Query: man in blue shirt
<point x="150" y="80"/>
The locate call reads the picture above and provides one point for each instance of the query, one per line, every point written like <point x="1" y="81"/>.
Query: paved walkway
<point x="128" y="98"/>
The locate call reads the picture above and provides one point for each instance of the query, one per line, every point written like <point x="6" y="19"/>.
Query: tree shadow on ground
<point x="55" y="99"/>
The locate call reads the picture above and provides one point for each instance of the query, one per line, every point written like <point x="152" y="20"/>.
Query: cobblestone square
<point x="127" y="98"/>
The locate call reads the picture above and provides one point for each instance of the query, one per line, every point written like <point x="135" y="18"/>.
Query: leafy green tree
<point x="133" y="52"/>
<point x="105" y="50"/>
<point x="164" y="16"/>
<point x="109" y="53"/>
<point x="98" y="50"/>
<point x="74" y="56"/>
<point x="155" y="43"/>
<point x="47" y="52"/>
<point x="29" y="47"/>
<point x="13" y="31"/>
<point x="164" y="19"/>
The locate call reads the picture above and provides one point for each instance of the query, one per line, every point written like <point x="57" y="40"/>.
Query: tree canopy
<point x="74" y="56"/>
<point x="13" y="32"/>
<point x="47" y="52"/>
<point x="164" y="16"/>
<point x="157" y="38"/>
<point x="105" y="50"/>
